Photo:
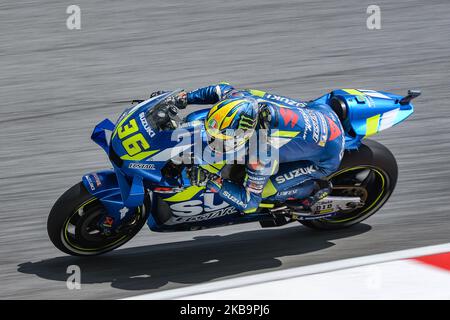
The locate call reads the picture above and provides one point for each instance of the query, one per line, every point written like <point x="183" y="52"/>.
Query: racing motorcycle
<point x="146" y="185"/>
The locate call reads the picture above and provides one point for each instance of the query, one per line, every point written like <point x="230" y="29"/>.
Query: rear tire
<point x="79" y="211"/>
<point x="378" y="161"/>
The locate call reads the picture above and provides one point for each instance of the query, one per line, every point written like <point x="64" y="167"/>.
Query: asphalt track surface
<point x="56" y="84"/>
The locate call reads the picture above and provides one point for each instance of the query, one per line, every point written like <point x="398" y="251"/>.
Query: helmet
<point x="230" y="123"/>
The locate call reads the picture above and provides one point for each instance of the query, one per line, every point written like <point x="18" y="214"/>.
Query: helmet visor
<point x="229" y="140"/>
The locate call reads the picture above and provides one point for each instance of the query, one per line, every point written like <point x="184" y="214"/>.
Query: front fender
<point x="104" y="186"/>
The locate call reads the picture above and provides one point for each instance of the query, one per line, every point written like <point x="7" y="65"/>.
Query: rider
<point x="309" y="138"/>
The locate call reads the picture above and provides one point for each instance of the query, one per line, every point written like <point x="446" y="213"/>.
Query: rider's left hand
<point x="157" y="93"/>
<point x="180" y="100"/>
<point x="214" y="185"/>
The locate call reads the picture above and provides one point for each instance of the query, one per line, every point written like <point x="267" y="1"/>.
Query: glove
<point x="200" y="177"/>
<point x="214" y="185"/>
<point x="179" y="101"/>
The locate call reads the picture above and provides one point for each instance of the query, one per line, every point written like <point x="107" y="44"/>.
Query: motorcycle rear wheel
<point x="370" y="172"/>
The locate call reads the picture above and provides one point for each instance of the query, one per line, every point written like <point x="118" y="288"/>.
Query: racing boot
<point x="323" y="190"/>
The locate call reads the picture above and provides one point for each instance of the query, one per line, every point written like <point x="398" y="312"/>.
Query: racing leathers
<point x="309" y="139"/>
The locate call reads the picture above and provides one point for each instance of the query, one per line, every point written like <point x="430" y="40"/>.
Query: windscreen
<point x="164" y="115"/>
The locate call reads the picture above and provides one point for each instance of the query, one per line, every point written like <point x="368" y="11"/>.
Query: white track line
<point x="290" y="273"/>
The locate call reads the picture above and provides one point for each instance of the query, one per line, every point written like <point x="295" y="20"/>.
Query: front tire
<point x="73" y="220"/>
<point x="377" y="169"/>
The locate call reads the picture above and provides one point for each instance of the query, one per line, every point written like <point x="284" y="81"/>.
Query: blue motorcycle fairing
<point x="99" y="134"/>
<point x="122" y="190"/>
<point x="101" y="183"/>
<point x="368" y="112"/>
<point x="119" y="196"/>
<point x="194" y="208"/>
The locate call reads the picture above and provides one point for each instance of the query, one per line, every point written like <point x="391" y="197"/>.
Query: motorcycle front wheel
<point x="73" y="224"/>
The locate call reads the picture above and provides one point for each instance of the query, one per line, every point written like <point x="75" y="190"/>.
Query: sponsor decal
<point x="255" y="184"/>
<point x="334" y="129"/>
<point x="232" y="198"/>
<point x="146" y="126"/>
<point x="123" y="212"/>
<point x="289" y="115"/>
<point x="108" y="222"/>
<point x="315" y="123"/>
<point x="255" y="178"/>
<point x="320" y="133"/>
<point x="90" y="182"/>
<point x="196" y="207"/>
<point x="285" y="100"/>
<point x="324" y="207"/>
<point x="316" y="129"/>
<point x="254" y="187"/>
<point x="245" y="123"/>
<point x="197" y="210"/>
<point x="307" y="121"/>
<point x="187" y="208"/>
<point x="295" y="174"/>
<point x="369" y="101"/>
<point x="333" y="117"/>
<point x="202" y="217"/>
<point x="98" y="183"/>
<point x="142" y="166"/>
<point x="288" y="192"/>
<point x="341" y="154"/>
<point x="324" y="132"/>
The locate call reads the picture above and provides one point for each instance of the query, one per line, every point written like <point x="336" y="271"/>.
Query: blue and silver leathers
<point x="309" y="138"/>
